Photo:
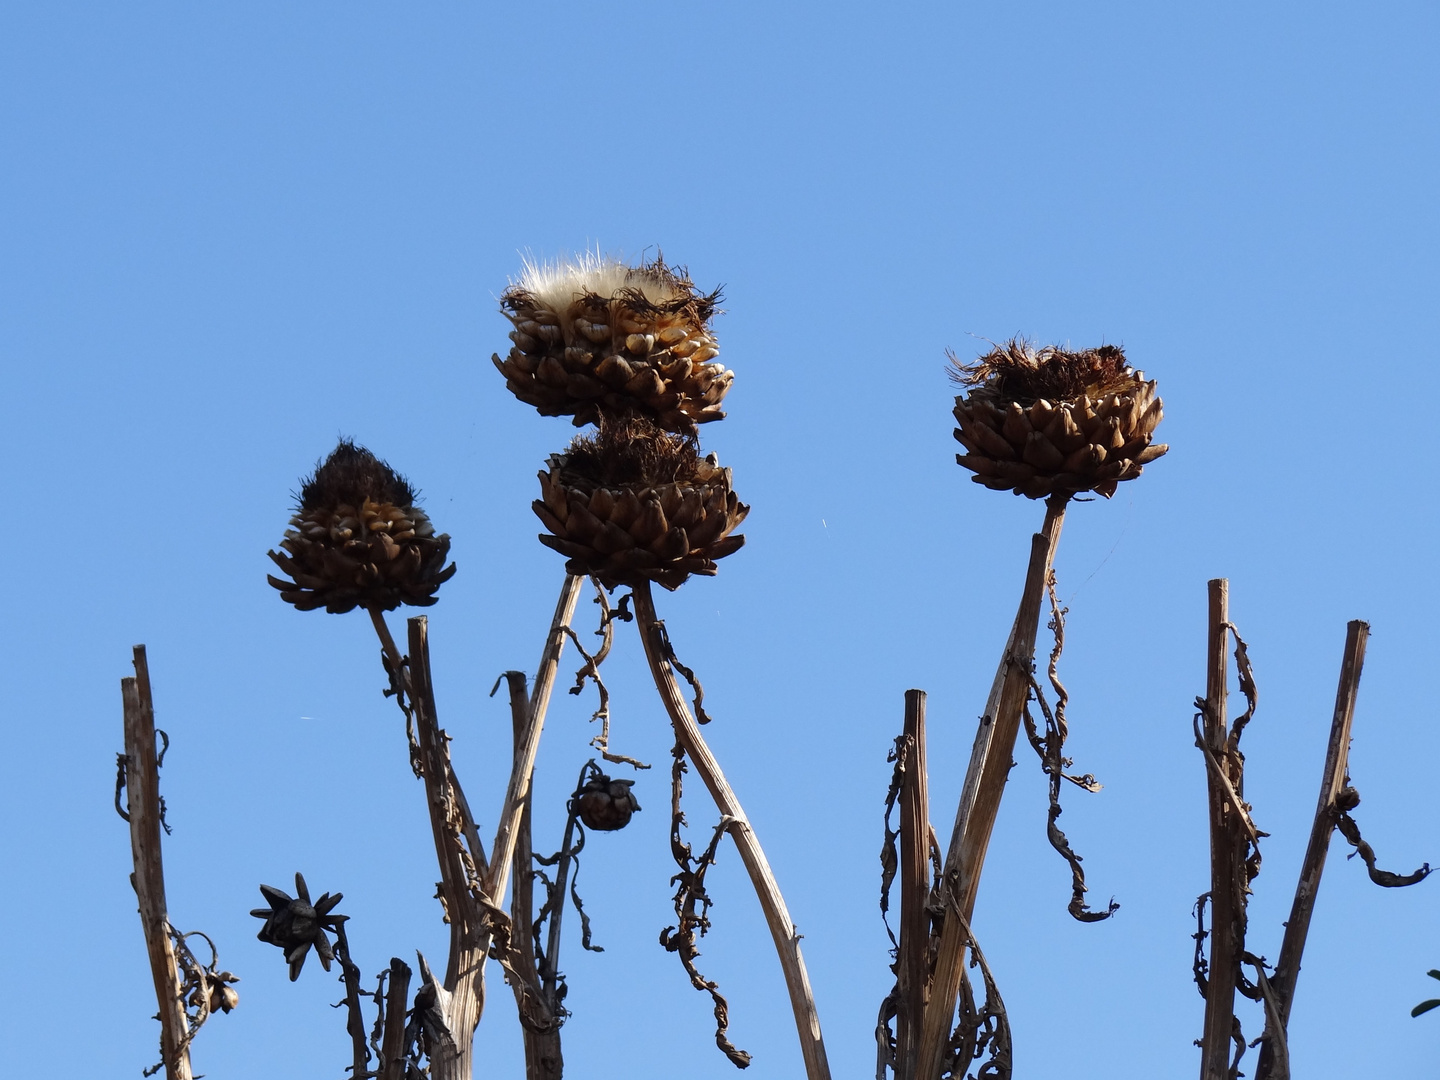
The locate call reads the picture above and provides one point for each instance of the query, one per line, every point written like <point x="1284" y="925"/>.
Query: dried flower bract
<point x="1049" y="421"/>
<point x="593" y="335"/>
<point x="635" y="503"/>
<point x="358" y="539"/>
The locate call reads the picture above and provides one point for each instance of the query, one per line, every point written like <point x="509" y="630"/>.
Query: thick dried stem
<point x="543" y="1058"/>
<point x="782" y="930"/>
<point x="463" y="997"/>
<point x="392" y="1046"/>
<point x="1332" y="782"/>
<point x="1227" y="846"/>
<point x="989" y="768"/>
<point x="911" y="969"/>
<point x="142" y="791"/>
<point x="528" y="744"/>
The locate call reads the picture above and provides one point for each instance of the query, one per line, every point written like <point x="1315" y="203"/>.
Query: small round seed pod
<point x="595" y="336"/>
<point x="635" y="503"/>
<point x="358" y="539"/>
<point x="604" y="804"/>
<point x="1047" y="421"/>
<point x="222" y="997"/>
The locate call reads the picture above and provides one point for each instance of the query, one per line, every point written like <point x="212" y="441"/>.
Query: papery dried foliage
<point x="692" y="907"/>
<point x="634" y="503"/>
<point x="1350" y="829"/>
<point x="643" y="345"/>
<point x="590" y="670"/>
<point x="1050" y="748"/>
<point x="1049" y="421"/>
<point x="982" y="1032"/>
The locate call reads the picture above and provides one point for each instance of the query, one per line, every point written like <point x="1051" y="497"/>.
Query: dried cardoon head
<point x="1048" y="421"/>
<point x="604" y="804"/>
<point x="359" y="539"/>
<point x="636" y="503"/>
<point x="294" y="924"/>
<point x="593" y="335"/>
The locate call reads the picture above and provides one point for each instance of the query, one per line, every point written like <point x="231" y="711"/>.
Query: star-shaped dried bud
<point x="605" y="804"/>
<point x="295" y="924"/>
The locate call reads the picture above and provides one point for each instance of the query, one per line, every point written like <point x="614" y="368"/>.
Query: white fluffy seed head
<point x="558" y="283"/>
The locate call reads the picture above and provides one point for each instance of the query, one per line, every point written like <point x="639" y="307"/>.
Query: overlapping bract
<point x="635" y="503"/>
<point x="1047" y="421"/>
<point x="358" y="539"/>
<point x="599" y="337"/>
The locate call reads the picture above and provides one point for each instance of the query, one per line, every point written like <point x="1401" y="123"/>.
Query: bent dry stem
<point x="782" y="929"/>
<point x="980" y="798"/>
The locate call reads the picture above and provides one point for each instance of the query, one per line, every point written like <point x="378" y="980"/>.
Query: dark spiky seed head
<point x="349" y="476"/>
<point x="1018" y="371"/>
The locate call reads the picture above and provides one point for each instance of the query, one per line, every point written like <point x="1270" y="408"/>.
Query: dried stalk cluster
<point x="358" y="539"/>
<point x="634" y="503"/>
<point x="1046" y="421"/>
<point x="596" y="336"/>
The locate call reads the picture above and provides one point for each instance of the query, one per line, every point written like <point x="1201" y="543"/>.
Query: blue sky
<point x="232" y="234"/>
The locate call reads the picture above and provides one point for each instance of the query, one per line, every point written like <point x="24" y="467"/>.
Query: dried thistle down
<point x="594" y="336"/>
<point x="1051" y="421"/>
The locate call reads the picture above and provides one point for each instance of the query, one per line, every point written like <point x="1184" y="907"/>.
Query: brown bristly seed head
<point x="358" y="540"/>
<point x="636" y="503"/>
<point x="1051" y="421"/>
<point x="595" y="337"/>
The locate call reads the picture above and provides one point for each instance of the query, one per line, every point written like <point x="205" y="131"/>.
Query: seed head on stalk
<point x="1049" y="421"/>
<point x="594" y="335"/>
<point x="636" y="503"/>
<point x="358" y="539"/>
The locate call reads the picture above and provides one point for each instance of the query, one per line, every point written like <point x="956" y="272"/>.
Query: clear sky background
<point x="232" y="233"/>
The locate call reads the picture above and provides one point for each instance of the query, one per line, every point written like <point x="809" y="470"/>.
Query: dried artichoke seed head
<point x="358" y="539"/>
<point x="594" y="335"/>
<point x="1048" y="421"/>
<point x="635" y="503"/>
<point x="604" y="804"/>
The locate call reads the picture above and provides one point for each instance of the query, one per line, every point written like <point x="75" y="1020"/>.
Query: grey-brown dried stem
<point x="539" y="1024"/>
<point x="911" y="969"/>
<point x="985" y="778"/>
<point x="142" y="790"/>
<point x="1228" y="845"/>
<point x="1331" y="812"/>
<point x="772" y="904"/>
<point x="460" y="1000"/>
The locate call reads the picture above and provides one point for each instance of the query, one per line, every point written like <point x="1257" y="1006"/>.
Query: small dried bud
<point x="604" y="804"/>
<point x="222" y="996"/>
